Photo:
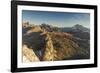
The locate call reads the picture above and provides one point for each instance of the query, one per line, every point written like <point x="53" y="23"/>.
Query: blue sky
<point x="60" y="19"/>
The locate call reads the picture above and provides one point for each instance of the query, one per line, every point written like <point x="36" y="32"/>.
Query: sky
<point x="60" y="19"/>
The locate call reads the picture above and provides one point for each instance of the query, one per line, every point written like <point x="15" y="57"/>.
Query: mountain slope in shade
<point x="52" y="44"/>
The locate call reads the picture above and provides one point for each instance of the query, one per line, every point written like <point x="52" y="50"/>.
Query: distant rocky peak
<point x="25" y="24"/>
<point x="78" y="26"/>
<point x="45" y="25"/>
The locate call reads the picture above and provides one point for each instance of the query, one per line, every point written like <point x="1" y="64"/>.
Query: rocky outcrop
<point x="49" y="50"/>
<point x="29" y="55"/>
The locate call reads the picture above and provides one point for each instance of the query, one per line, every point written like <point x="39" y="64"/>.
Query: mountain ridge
<point x="52" y="44"/>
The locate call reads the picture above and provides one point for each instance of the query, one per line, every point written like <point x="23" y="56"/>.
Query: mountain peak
<point x="78" y="26"/>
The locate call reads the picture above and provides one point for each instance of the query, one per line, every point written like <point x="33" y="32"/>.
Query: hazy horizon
<point x="59" y="19"/>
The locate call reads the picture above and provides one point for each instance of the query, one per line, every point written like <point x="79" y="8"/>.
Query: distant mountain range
<point x="75" y="28"/>
<point x="55" y="43"/>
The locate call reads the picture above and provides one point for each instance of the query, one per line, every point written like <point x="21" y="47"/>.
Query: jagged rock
<point x="49" y="50"/>
<point x="29" y="55"/>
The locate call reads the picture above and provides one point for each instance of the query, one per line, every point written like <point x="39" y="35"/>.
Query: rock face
<point x="49" y="50"/>
<point x="29" y="55"/>
<point x="46" y="43"/>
